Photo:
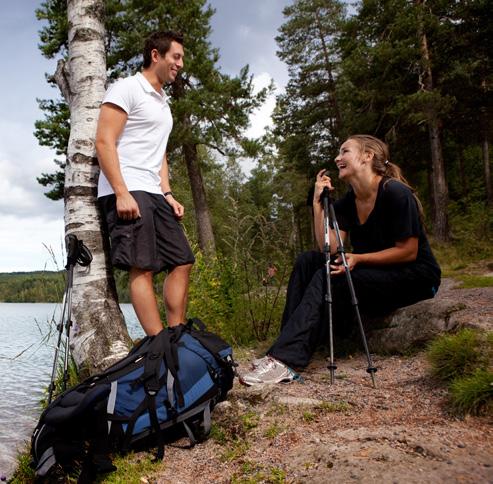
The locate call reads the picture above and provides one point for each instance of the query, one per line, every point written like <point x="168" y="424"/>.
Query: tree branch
<point x="214" y="147"/>
<point x="62" y="79"/>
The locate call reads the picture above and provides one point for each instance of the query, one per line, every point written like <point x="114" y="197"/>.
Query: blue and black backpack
<point x="166" y="387"/>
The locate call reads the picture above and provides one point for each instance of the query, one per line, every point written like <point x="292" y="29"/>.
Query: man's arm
<point x="178" y="208"/>
<point x="111" y="122"/>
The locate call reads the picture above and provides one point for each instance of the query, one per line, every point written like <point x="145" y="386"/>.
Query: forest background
<point x="414" y="73"/>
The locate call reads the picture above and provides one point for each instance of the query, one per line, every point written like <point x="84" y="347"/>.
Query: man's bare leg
<point x="175" y="294"/>
<point x="144" y="301"/>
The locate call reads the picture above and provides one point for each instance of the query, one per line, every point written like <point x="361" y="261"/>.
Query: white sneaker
<point x="255" y="363"/>
<point x="268" y="370"/>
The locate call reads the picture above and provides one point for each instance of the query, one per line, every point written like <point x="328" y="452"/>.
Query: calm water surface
<point x="27" y="344"/>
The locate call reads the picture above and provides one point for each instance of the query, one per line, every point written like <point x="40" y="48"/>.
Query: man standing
<point x="134" y="191"/>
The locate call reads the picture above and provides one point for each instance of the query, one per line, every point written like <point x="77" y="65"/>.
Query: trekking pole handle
<point x="72" y="247"/>
<point x="326" y="195"/>
<point x="77" y="252"/>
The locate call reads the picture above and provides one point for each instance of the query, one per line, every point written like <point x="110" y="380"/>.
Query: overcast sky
<point x="244" y="32"/>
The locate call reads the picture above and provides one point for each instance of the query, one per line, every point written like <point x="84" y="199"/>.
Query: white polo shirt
<point x="142" y="144"/>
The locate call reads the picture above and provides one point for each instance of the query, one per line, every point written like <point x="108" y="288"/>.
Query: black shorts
<point x="154" y="242"/>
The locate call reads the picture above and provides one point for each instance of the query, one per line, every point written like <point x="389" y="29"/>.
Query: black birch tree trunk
<point x="441" y="229"/>
<point x="485" y="148"/>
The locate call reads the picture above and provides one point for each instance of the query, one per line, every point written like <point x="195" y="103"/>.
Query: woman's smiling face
<point x="349" y="158"/>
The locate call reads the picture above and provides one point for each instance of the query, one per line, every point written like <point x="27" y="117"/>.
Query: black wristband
<point x="167" y="193"/>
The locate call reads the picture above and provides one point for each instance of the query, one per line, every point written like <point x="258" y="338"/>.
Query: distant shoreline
<point x="41" y="287"/>
<point x="35" y="286"/>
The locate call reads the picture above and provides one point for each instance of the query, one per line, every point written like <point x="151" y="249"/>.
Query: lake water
<point x="27" y="345"/>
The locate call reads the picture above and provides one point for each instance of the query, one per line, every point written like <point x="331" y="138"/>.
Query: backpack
<point x="164" y="388"/>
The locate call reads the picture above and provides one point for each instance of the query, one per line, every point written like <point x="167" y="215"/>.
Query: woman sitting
<point x="391" y="262"/>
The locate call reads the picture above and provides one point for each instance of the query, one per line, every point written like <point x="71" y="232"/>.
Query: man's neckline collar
<point x="148" y="86"/>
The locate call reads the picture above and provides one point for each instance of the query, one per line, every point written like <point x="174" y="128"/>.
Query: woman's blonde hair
<point x="381" y="164"/>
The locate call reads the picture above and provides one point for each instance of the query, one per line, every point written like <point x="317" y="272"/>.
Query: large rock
<point x="415" y="325"/>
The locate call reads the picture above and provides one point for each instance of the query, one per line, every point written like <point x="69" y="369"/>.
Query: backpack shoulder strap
<point x="196" y="322"/>
<point x="212" y="343"/>
<point x="160" y="349"/>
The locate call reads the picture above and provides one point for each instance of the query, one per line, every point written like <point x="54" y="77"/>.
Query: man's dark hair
<point x="161" y="41"/>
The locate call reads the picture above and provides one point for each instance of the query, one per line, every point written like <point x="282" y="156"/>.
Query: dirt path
<point x="398" y="432"/>
<point x="314" y="432"/>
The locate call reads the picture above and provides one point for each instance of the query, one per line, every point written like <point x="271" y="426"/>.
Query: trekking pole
<point x="354" y="301"/>
<point x="60" y="327"/>
<point x="77" y="252"/>
<point x="72" y="245"/>
<point x="328" y="293"/>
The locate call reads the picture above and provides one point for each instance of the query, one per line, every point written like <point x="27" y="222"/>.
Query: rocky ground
<point x="311" y="431"/>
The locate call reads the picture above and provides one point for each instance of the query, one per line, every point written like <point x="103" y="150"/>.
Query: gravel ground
<point x="314" y="432"/>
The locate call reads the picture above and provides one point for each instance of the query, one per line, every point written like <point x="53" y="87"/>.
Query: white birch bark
<point x="99" y="335"/>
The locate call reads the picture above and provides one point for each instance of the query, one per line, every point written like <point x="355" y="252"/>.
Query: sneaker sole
<point x="288" y="379"/>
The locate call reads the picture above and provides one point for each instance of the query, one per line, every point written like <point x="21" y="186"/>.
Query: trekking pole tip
<point x="332" y="368"/>
<point x="372" y="370"/>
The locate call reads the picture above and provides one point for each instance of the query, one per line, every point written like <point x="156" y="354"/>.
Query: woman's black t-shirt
<point x="394" y="217"/>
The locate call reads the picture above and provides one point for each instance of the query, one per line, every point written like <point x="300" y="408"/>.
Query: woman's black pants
<point x="304" y="324"/>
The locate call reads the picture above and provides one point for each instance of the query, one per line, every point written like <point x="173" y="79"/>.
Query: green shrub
<point x="308" y="416"/>
<point x="473" y="394"/>
<point x="235" y="298"/>
<point x="472" y="228"/>
<point x="210" y="298"/>
<point x="456" y="355"/>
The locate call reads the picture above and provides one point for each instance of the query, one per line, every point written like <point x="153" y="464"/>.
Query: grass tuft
<point x="23" y="473"/>
<point x="249" y="421"/>
<point x="471" y="280"/>
<point x="131" y="468"/>
<point x="330" y="407"/>
<point x="273" y="430"/>
<point x="464" y="361"/>
<point x="235" y="450"/>
<point x="308" y="416"/>
<point x="455" y="355"/>
<point x="473" y="394"/>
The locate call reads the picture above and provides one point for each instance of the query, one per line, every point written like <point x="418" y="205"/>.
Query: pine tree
<point x="308" y="120"/>
<point x="469" y="78"/>
<point x="54" y="130"/>
<point x="308" y="117"/>
<point x="392" y="75"/>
